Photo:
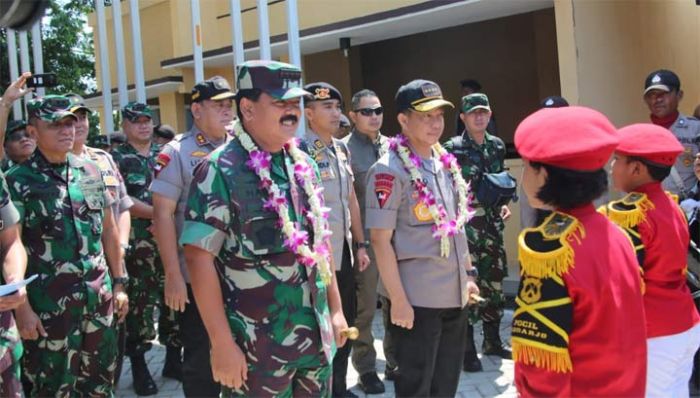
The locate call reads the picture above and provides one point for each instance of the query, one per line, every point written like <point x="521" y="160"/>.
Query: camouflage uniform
<point x="6" y="164"/>
<point x="61" y="210"/>
<point x="276" y="307"/>
<point x="10" y="343"/>
<point x="146" y="277"/>
<point x="485" y="230"/>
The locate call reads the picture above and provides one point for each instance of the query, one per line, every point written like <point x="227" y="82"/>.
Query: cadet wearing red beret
<point x="579" y="326"/>
<point x="657" y="226"/>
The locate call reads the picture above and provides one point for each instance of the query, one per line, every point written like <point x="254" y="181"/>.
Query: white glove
<point x="689" y="206"/>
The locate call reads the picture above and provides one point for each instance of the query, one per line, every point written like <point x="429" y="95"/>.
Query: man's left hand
<point x="472" y="289"/>
<point x="505" y="212"/>
<point x="363" y="258"/>
<point x="121" y="301"/>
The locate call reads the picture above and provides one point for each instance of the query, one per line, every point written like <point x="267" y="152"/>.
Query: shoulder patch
<point x="383" y="186"/>
<point x="161" y="161"/>
<point x="629" y="211"/>
<point x="546" y="251"/>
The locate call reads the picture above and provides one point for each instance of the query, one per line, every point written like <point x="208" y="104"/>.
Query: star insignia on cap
<point x="323" y="93"/>
<point x="430" y="90"/>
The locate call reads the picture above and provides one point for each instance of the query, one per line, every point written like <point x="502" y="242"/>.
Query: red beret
<point x="649" y="141"/>
<point x="575" y="138"/>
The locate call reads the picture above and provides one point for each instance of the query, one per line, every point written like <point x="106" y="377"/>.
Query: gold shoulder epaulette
<point x="629" y="211"/>
<point x="546" y="251"/>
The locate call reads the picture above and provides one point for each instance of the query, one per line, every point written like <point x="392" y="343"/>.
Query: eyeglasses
<point x="369" y="111"/>
<point x="17" y="136"/>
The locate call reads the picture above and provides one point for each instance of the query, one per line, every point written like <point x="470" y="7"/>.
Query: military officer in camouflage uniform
<point x="662" y="94"/>
<point x="15" y="264"/>
<point x="137" y="161"/>
<point x="479" y="152"/>
<point x="71" y="238"/>
<point x="267" y="314"/>
<point x="212" y="111"/>
<point x="16" y="144"/>
<point x="116" y="188"/>
<point x="19" y="146"/>
<point x="333" y="159"/>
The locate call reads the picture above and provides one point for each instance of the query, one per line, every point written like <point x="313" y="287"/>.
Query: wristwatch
<point x="474" y="273"/>
<point x="122" y="280"/>
<point x="360" y="245"/>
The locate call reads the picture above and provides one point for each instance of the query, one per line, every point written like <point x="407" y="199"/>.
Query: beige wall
<point x="607" y="48"/>
<point x="166" y="32"/>
<point x="157" y="43"/>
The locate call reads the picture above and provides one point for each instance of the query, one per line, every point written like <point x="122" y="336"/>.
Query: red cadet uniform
<point x="579" y="326"/>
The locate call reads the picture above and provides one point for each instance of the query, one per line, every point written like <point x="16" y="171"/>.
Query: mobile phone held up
<point x="42" y="80"/>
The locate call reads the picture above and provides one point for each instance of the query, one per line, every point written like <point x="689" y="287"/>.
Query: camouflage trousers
<point x="276" y="327"/>
<point x="313" y="380"/>
<point x="77" y="356"/>
<point x="146" y="284"/>
<point x="488" y="255"/>
<point x="10" y="355"/>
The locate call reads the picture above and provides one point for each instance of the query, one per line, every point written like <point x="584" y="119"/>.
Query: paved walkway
<point x="495" y="381"/>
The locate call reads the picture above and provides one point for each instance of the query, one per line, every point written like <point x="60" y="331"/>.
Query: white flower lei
<point x="443" y="228"/>
<point x="296" y="239"/>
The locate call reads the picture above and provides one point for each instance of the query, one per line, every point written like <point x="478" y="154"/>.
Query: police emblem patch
<point x="322" y="93"/>
<point x="162" y="161"/>
<point x="383" y="185"/>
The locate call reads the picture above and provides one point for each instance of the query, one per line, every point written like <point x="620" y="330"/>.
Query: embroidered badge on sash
<point x="542" y="323"/>
<point x="383" y="185"/>
<point x="161" y="161"/>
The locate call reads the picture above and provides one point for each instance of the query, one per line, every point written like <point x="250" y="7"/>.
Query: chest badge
<point x="422" y="212"/>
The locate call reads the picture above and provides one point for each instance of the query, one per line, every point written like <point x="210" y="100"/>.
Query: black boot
<point x="173" y="363"/>
<point x="492" y="341"/>
<point x="143" y="382"/>
<point x="471" y="360"/>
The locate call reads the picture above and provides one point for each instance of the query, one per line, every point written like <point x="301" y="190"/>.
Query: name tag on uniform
<point x="93" y="193"/>
<point x="326" y="170"/>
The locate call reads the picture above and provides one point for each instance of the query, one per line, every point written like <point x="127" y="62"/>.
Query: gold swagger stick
<point x="351" y="333"/>
<point x="477" y="298"/>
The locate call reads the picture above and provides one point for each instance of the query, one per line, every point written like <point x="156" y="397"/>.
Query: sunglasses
<point x="369" y="111"/>
<point x="17" y="136"/>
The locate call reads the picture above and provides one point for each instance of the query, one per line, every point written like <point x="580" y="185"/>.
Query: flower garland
<point x="443" y="228"/>
<point x="296" y="239"/>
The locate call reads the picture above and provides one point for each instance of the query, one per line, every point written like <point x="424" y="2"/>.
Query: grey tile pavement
<point x="495" y="381"/>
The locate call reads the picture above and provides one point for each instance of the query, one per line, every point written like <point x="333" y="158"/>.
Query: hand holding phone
<point x="42" y="80"/>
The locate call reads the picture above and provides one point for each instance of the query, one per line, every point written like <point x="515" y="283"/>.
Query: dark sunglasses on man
<point x="369" y="111"/>
<point x="17" y="135"/>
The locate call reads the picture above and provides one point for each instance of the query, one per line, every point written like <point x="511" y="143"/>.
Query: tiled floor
<point x="495" y="381"/>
